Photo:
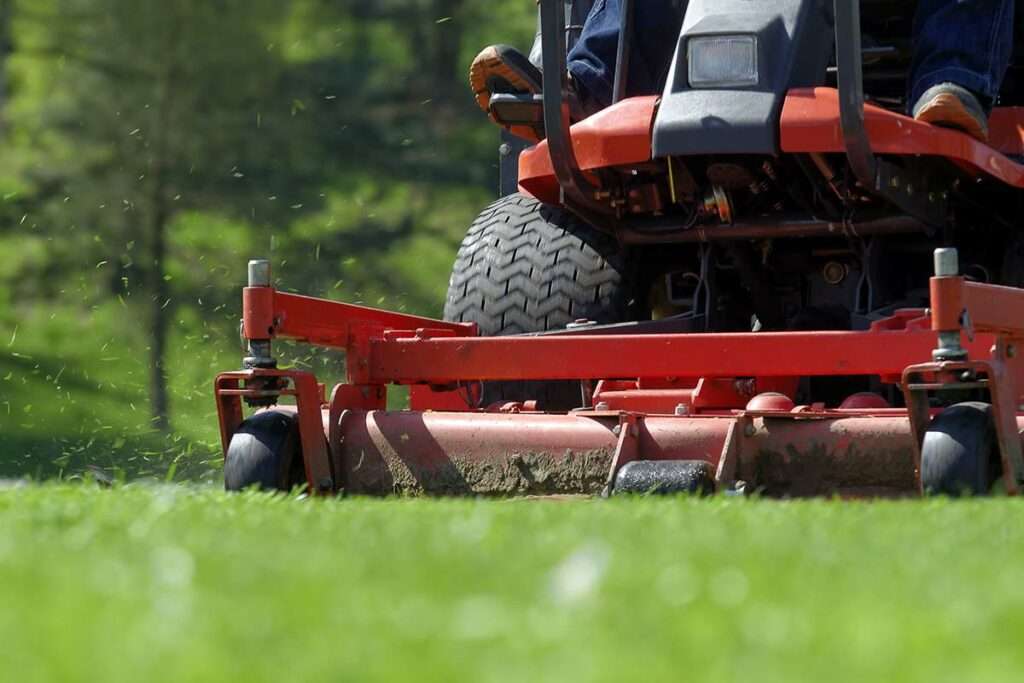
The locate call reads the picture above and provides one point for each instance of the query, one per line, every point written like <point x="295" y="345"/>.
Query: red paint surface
<point x="617" y="136"/>
<point x="810" y="123"/>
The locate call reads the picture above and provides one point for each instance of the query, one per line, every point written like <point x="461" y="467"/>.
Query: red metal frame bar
<point x="780" y="354"/>
<point x="385" y="348"/>
<point x="270" y="314"/>
<point x="960" y="304"/>
<point x="810" y="123"/>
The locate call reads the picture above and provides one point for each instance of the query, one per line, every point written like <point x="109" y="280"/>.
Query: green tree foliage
<point x="151" y="146"/>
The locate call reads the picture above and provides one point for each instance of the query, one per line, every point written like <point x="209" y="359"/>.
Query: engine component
<point x="717" y="204"/>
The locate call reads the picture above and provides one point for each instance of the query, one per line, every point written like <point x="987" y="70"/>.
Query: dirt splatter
<point x="818" y="470"/>
<point x="515" y="474"/>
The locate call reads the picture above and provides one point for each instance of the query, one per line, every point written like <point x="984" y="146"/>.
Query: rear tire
<point x="265" y="453"/>
<point x="526" y="267"/>
<point x="960" y="455"/>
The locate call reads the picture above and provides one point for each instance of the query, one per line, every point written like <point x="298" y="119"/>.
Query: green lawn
<point x="179" y="584"/>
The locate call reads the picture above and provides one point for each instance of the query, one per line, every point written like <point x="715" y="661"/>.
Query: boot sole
<point x="487" y="65"/>
<point x="948" y="111"/>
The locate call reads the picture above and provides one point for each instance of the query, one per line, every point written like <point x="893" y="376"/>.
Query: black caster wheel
<point x="265" y="453"/>
<point x="960" y="455"/>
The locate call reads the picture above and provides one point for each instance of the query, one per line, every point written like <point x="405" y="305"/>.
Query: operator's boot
<point x="500" y="69"/>
<point x="952" y="106"/>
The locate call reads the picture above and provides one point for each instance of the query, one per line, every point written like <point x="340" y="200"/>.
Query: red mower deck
<point x="716" y="398"/>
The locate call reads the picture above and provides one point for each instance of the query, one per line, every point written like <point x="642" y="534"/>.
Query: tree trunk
<point x="160" y="306"/>
<point x="158" y="323"/>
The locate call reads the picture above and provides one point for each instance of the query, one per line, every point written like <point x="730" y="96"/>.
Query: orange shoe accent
<point x="946" y="110"/>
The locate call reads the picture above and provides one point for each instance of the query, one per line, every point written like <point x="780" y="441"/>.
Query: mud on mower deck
<point x="662" y="412"/>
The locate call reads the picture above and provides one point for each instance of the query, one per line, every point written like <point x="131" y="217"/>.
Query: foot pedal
<point x="665" y="477"/>
<point x="516" y="110"/>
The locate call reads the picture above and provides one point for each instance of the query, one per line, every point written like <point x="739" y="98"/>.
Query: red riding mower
<point x="756" y="282"/>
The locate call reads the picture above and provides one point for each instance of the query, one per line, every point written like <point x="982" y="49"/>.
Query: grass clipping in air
<point x="163" y="583"/>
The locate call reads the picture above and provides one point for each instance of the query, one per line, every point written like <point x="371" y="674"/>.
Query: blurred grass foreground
<point x="149" y="148"/>
<point x="179" y="583"/>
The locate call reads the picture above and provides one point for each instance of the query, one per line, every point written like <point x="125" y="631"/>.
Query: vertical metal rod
<point x="259" y="351"/>
<point x="947" y="264"/>
<point x="851" y="92"/>
<point x="259" y="273"/>
<point x="556" y="104"/>
<point x="624" y="52"/>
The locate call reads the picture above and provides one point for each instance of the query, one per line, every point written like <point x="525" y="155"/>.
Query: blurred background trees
<point x="150" y="147"/>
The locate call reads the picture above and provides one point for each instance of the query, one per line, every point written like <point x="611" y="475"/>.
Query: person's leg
<point x="966" y="43"/>
<point x="592" y="60"/>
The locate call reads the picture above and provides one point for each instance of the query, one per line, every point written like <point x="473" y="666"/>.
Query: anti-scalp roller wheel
<point x="665" y="477"/>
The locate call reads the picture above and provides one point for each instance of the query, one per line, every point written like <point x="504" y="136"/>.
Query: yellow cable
<point x="671" y="182"/>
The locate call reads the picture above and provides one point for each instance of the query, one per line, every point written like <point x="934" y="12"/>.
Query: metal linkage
<point x="269" y="314"/>
<point x="969" y="309"/>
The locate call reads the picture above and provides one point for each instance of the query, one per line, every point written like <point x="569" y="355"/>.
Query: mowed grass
<point x="164" y="583"/>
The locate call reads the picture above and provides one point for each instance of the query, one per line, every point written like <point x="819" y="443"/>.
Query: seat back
<point x="576" y="12"/>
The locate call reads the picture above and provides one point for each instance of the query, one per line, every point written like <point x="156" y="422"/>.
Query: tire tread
<point x="528" y="267"/>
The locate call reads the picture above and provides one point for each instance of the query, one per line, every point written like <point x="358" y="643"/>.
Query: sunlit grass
<point x="173" y="584"/>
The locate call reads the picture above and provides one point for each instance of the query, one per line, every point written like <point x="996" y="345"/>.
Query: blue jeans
<point x="967" y="42"/>
<point x="591" y="61"/>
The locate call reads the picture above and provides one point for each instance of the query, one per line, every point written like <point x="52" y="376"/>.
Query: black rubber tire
<point x="525" y="267"/>
<point x="960" y="455"/>
<point x="665" y="477"/>
<point x="265" y="453"/>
